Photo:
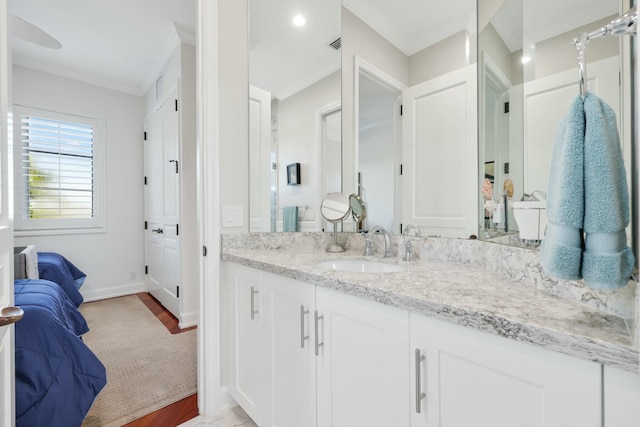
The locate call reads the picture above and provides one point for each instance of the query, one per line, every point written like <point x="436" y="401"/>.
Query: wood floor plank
<point x="167" y="319"/>
<point x="170" y="416"/>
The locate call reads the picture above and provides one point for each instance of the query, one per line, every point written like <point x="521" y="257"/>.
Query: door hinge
<point x="400" y="168"/>
<point x="145" y="180"/>
<point x="146" y="225"/>
<point x="176" y="105"/>
<point x="145" y="136"/>
<point x="177" y="229"/>
<point x="506" y="107"/>
<point x="146" y="269"/>
<point x="176" y="162"/>
<point x="204" y="251"/>
<point x="177" y="291"/>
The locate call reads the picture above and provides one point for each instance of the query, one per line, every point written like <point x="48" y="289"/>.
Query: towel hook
<point x="581" y="44"/>
<point x="622" y="25"/>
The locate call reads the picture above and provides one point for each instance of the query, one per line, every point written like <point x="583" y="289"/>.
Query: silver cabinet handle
<point x="303" y="337"/>
<point x="9" y="315"/>
<point x="253" y="303"/>
<point x="317" y="319"/>
<point x="419" y="393"/>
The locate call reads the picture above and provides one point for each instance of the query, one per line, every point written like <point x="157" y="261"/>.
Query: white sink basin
<point x="356" y="266"/>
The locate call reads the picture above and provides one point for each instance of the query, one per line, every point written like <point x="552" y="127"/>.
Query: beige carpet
<point x="148" y="368"/>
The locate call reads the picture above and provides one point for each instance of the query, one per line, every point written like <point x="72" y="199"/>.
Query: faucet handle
<point x="409" y="253"/>
<point x="368" y="248"/>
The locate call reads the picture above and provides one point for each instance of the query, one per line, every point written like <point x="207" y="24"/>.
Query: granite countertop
<point x="465" y="295"/>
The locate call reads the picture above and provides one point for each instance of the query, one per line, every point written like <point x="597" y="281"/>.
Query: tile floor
<point x="234" y="417"/>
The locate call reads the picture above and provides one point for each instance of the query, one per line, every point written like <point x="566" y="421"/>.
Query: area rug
<point x="148" y="368"/>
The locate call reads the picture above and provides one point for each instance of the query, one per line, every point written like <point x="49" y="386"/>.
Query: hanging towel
<point x="290" y="218"/>
<point x="561" y="252"/>
<point x="607" y="260"/>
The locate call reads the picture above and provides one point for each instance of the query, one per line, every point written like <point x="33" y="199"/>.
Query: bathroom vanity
<point x="437" y="343"/>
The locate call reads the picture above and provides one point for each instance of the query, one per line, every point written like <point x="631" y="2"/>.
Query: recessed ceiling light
<point x="299" y="21"/>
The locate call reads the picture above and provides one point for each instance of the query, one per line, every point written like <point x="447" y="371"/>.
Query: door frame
<point x="208" y="207"/>
<point x="360" y="65"/>
<point x="7" y="336"/>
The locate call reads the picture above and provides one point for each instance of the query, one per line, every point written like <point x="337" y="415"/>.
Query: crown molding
<point x="176" y="34"/>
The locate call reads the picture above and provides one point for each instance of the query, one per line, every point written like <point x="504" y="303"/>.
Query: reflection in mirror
<point x="358" y="211"/>
<point x="294" y="109"/>
<point x="419" y="55"/>
<point x="527" y="59"/>
<point x="335" y="208"/>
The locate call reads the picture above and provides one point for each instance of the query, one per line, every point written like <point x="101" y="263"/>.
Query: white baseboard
<point x="188" y="319"/>
<point x="226" y="403"/>
<point x="113" y="292"/>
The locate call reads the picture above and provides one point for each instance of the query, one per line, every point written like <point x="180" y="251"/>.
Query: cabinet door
<point x="476" y="379"/>
<point x="245" y="340"/>
<point x="290" y="380"/>
<point x="362" y="373"/>
<point x="621" y="398"/>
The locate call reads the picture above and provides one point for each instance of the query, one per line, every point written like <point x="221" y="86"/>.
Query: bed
<point x="57" y="376"/>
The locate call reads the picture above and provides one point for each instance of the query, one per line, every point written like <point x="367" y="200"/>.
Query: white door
<point x="440" y="154"/>
<point x="243" y="285"/>
<point x="289" y="352"/>
<point x="470" y="378"/>
<point x="7" y="391"/>
<point x="162" y="239"/>
<point x="361" y="369"/>
<point x="547" y="100"/>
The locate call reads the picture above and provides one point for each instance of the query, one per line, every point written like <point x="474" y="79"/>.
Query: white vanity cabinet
<point x="289" y="352"/>
<point x="362" y="373"/>
<point x="245" y="320"/>
<point x="304" y="356"/>
<point x="470" y="378"/>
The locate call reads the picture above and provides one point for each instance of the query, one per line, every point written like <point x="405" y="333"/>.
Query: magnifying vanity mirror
<point x="358" y="211"/>
<point x="335" y="208"/>
<point x="412" y="105"/>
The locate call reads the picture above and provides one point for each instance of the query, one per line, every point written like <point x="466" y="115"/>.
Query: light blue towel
<point x="561" y="252"/>
<point x="588" y="193"/>
<point x="290" y="218"/>
<point x="607" y="261"/>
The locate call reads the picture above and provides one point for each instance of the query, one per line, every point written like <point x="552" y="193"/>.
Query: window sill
<point x="58" y="231"/>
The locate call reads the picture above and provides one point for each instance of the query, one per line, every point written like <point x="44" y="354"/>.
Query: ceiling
<point x="538" y="24"/>
<point x="111" y="43"/>
<point x="117" y="43"/>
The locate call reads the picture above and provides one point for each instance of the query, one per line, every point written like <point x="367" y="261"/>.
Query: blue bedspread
<point x="50" y="297"/>
<point x="57" y="375"/>
<point x="53" y="266"/>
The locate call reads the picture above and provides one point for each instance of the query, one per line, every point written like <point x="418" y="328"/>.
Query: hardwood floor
<point x="167" y="319"/>
<point x="170" y="416"/>
<point x="182" y="410"/>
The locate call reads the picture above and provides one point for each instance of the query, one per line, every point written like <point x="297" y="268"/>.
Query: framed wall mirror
<point x="355" y="139"/>
<point x="528" y="76"/>
<point x="294" y="110"/>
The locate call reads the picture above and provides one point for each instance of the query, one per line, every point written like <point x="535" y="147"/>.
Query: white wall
<point x="297" y="144"/>
<point x="113" y="261"/>
<point x="234" y="107"/>
<point x="361" y="40"/>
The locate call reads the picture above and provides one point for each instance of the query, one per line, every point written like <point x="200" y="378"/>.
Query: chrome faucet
<point x="411" y="232"/>
<point x="368" y="242"/>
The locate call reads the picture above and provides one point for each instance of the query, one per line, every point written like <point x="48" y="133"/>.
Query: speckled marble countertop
<point x="465" y="295"/>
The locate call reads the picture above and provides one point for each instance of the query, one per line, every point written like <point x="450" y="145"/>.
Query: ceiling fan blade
<point x="26" y="31"/>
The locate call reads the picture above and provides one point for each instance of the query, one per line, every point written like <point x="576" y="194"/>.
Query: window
<point x="57" y="170"/>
